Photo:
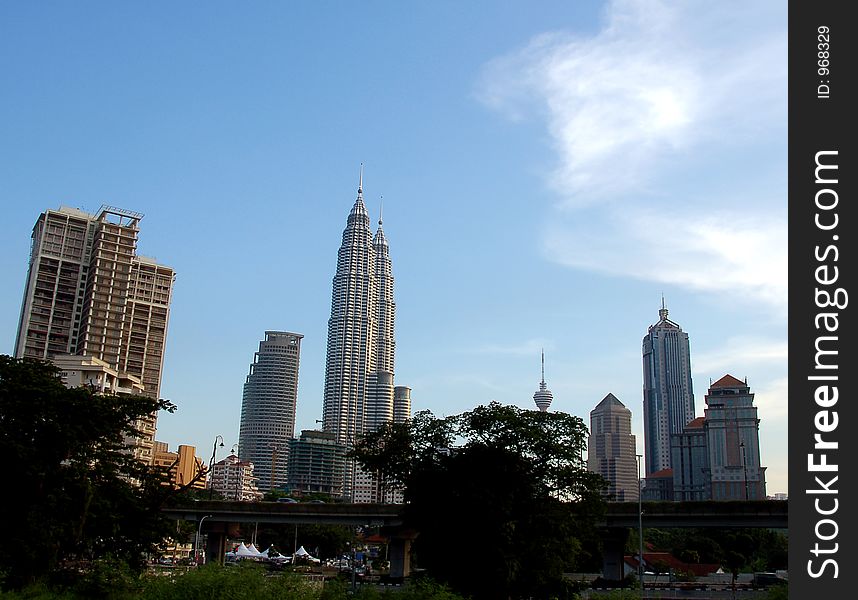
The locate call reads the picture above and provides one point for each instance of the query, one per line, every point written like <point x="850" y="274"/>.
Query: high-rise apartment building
<point x="732" y="432"/>
<point x="668" y="397"/>
<point x="359" y="392"/>
<point x="268" y="407"/>
<point x="611" y="448"/>
<point x="89" y="294"/>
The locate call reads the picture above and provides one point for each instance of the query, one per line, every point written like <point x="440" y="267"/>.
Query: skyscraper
<point x="611" y="448"/>
<point x="543" y="396"/>
<point x="359" y="388"/>
<point x="89" y="294"/>
<point x="268" y="407"/>
<point x="668" y="398"/>
<point x="732" y="432"/>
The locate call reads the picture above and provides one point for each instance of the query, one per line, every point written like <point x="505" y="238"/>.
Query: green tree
<point x="79" y="495"/>
<point x="501" y="496"/>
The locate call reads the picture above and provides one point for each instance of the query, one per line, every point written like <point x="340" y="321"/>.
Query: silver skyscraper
<point x="359" y="388"/>
<point x="668" y="398"/>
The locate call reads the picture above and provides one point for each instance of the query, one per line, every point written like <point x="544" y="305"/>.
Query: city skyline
<point x="241" y="143"/>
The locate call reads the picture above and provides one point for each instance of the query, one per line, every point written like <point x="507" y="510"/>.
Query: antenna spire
<point x="543" y="365"/>
<point x="381" y="211"/>
<point x="360" y="181"/>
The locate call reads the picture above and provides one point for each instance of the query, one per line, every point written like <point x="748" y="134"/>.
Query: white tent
<point x="244" y="552"/>
<point x="301" y="552"/>
<point x="253" y="549"/>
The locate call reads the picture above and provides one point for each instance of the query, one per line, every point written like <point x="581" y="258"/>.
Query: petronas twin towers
<point x="359" y="392"/>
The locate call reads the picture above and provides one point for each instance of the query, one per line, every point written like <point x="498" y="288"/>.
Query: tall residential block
<point x="732" y="432"/>
<point x="268" y="407"/>
<point x="88" y="294"/>
<point x="359" y="393"/>
<point x="611" y="449"/>
<point x="668" y="397"/>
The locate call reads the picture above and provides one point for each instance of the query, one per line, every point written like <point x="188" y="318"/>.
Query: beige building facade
<point x="89" y="294"/>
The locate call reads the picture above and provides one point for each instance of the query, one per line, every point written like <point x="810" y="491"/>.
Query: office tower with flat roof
<point x="316" y="463"/>
<point x="732" y="432"/>
<point x="668" y="397"/>
<point x="83" y="296"/>
<point x="359" y="393"/>
<point x="268" y="407"/>
<point x="611" y="449"/>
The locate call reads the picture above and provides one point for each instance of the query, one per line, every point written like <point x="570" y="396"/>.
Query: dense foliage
<point x="501" y="497"/>
<point x="738" y="550"/>
<point x="222" y="583"/>
<point x="77" y="495"/>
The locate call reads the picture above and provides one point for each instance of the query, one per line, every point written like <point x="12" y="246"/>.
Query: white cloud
<point x="772" y="400"/>
<point x="647" y="117"/>
<point x="741" y="352"/>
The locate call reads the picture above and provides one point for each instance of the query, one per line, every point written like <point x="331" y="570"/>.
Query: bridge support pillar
<point x="216" y="539"/>
<point x="613" y="550"/>
<point x="399" y="552"/>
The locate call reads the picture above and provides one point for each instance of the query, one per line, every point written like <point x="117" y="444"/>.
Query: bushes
<point x="234" y="583"/>
<point x="213" y="582"/>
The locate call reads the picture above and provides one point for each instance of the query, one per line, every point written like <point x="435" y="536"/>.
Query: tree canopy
<point x="75" y="493"/>
<point x="501" y="496"/>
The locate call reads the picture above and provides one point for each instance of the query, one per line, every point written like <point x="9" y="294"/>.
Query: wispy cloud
<point x="649" y="117"/>
<point x="740" y="352"/>
<point x="772" y="401"/>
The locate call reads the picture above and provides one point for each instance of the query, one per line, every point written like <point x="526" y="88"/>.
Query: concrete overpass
<point x="619" y="518"/>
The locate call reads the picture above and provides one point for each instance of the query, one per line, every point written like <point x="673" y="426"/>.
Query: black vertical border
<point x="822" y="119"/>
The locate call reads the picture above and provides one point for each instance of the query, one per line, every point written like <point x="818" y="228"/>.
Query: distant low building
<point x="184" y="465"/>
<point x="658" y="486"/>
<point x="234" y="480"/>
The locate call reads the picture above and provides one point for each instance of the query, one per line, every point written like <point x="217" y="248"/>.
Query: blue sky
<point x="548" y="172"/>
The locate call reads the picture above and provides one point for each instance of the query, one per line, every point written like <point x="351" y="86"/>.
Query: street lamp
<point x="638" y="457"/>
<point x="211" y="464"/>
<point x="234" y="452"/>
<point x="744" y="468"/>
<point x="197" y="542"/>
